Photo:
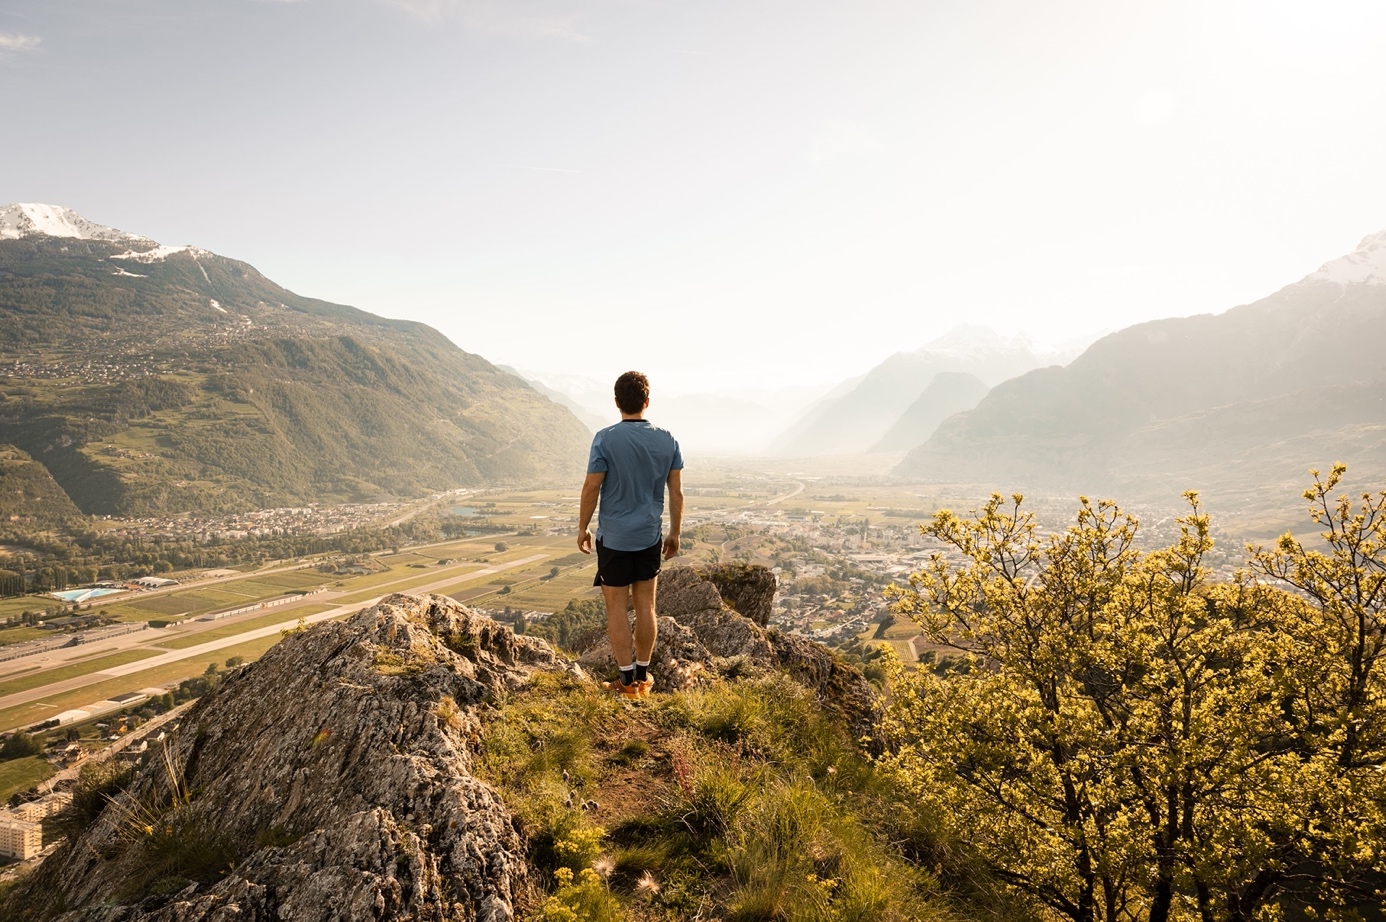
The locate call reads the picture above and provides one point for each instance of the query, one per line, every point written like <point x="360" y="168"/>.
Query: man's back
<point x="636" y="458"/>
<point x="629" y="468"/>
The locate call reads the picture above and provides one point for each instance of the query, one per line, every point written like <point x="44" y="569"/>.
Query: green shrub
<point x="175" y="850"/>
<point x="585" y="899"/>
<point x="19" y="745"/>
<point x="97" y="783"/>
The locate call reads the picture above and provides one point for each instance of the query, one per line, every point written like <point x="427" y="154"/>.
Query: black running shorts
<point x="621" y="568"/>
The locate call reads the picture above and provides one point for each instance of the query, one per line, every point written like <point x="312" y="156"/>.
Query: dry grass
<point x="740" y="801"/>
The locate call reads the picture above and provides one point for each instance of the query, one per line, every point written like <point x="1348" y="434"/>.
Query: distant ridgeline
<point x="149" y="379"/>
<point x="1235" y="401"/>
<point x="898" y="404"/>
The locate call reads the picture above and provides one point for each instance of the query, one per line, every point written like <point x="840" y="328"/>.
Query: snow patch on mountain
<point x="129" y="275"/>
<point x="971" y="342"/>
<point x="160" y="253"/>
<point x="28" y="219"/>
<point x="23" y="219"/>
<point x="1365" y="266"/>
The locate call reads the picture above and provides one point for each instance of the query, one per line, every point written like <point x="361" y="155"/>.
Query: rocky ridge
<point x="333" y="778"/>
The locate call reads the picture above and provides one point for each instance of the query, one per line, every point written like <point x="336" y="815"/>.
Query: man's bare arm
<point x="591" y="489"/>
<point x="671" y="542"/>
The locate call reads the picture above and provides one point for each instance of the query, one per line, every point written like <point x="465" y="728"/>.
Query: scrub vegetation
<point x="743" y="800"/>
<point x="1119" y="738"/>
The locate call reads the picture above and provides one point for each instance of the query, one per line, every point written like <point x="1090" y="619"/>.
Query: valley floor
<point x="835" y="531"/>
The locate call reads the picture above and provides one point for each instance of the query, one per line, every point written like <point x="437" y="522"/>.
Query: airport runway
<point x="212" y="646"/>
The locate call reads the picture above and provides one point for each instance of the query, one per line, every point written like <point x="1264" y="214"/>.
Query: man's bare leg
<point x="618" y="623"/>
<point x="646" y="628"/>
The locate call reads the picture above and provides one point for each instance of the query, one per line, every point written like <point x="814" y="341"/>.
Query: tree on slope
<point x="1337" y="707"/>
<point x="1118" y="738"/>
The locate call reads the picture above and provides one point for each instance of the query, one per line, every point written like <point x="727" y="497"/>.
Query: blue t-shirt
<point x="636" y="458"/>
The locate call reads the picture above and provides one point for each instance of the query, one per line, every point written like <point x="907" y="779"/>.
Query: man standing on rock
<point x="628" y="468"/>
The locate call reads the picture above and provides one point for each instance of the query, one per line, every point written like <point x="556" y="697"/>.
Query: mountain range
<point x="154" y="379"/>
<point x="712" y="422"/>
<point x="877" y="412"/>
<point x="891" y="408"/>
<point x="1252" y="396"/>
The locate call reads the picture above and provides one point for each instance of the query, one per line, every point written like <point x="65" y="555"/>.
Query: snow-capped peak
<point x="970" y="340"/>
<point x="29" y="219"/>
<point x="1365" y="266"/>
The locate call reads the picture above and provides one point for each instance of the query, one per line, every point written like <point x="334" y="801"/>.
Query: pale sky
<point x="716" y="191"/>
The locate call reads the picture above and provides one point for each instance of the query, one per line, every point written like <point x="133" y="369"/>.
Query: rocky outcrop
<point x="748" y="589"/>
<point x="329" y="780"/>
<point x="332" y="779"/>
<point x="702" y="634"/>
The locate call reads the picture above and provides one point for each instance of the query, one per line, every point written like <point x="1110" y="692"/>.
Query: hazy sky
<point x="775" y="192"/>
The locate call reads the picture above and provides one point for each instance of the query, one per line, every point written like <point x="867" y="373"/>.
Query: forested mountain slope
<point x="158" y="379"/>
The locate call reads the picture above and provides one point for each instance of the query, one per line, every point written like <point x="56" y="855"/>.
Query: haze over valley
<point x="1031" y="536"/>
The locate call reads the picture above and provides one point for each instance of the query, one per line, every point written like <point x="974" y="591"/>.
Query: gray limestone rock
<point x="748" y="589"/>
<point x="330" y="780"/>
<point x="683" y="591"/>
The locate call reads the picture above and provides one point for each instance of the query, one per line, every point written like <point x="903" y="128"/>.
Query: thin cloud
<point x="836" y="140"/>
<point x="13" y="42"/>
<point x="1154" y="107"/>
<point x="542" y="169"/>
<point x="509" y="18"/>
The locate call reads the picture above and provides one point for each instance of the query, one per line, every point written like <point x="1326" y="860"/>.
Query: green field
<point x="405" y="579"/>
<point x="26" y="714"/>
<point x="23" y="603"/>
<point x="529" y="590"/>
<point x="178" y="603"/>
<point x="541" y="595"/>
<point x="17" y="634"/>
<point x="280" y="583"/>
<point x="405" y="558"/>
<point x="275" y="616"/>
<point x="49" y="676"/>
<point x="18" y="775"/>
<point x="181" y="600"/>
<point x="231" y="593"/>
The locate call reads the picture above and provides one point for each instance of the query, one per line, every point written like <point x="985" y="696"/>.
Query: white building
<point x="39" y="810"/>
<point x="19" y="839"/>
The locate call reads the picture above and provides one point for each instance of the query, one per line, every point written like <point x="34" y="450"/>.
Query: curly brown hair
<point x="632" y="390"/>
